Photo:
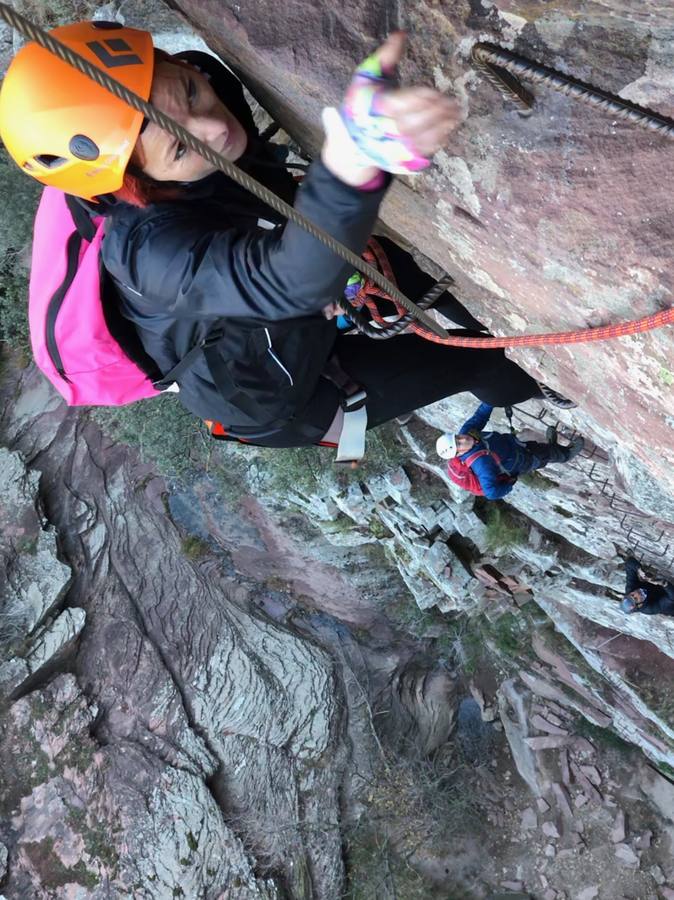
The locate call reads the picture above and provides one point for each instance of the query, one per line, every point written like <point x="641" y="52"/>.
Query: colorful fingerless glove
<point x="375" y="134"/>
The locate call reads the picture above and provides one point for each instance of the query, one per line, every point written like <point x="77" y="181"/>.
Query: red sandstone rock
<point x="543" y="725"/>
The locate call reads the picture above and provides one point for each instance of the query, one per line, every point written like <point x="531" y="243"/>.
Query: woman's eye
<point x="181" y="150"/>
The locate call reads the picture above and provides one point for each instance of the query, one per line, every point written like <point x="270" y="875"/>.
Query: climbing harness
<point x="353" y="406"/>
<point x="498" y="65"/>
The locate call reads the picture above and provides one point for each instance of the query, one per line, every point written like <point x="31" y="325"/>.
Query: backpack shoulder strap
<point x="85" y="227"/>
<point x="470" y="459"/>
<point x="188" y="360"/>
<point x="487" y="452"/>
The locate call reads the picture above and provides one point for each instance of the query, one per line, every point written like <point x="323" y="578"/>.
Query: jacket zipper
<point x="270" y="351"/>
<point x="54" y="308"/>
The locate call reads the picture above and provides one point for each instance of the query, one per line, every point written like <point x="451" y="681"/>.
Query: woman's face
<point x="186" y="96"/>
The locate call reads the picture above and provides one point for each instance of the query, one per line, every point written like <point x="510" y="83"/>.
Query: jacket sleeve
<point x="489" y="476"/>
<point x="478" y="420"/>
<point x="189" y="270"/>
<point x="666" y="601"/>
<point x="652" y="607"/>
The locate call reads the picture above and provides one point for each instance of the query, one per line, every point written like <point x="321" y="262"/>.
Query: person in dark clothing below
<point x="497" y="459"/>
<point x="189" y="250"/>
<point x="644" y="596"/>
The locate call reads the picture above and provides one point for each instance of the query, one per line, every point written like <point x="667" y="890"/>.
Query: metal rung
<point x="628" y="509"/>
<point x="595" y="452"/>
<point x="640" y="536"/>
<point x="603" y="481"/>
<point x="652" y="552"/>
<point x="632" y="529"/>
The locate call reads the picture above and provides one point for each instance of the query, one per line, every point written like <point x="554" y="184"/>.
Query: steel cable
<point x="488" y="58"/>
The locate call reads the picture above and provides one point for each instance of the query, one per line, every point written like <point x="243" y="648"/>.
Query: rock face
<point x="84" y="805"/>
<point x="154" y="694"/>
<point x="161" y="693"/>
<point x="554" y="222"/>
<point x="181" y="699"/>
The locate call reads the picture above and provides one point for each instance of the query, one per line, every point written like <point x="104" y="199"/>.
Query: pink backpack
<point x="72" y="343"/>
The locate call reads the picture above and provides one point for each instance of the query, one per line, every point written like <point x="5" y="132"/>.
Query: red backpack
<point x="461" y="473"/>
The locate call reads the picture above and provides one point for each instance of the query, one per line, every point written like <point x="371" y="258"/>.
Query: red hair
<point x="140" y="191"/>
<point x="137" y="188"/>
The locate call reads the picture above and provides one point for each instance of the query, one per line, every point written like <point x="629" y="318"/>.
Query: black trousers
<point x="407" y="372"/>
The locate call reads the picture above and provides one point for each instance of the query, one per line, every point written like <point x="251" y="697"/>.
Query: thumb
<point x="391" y="51"/>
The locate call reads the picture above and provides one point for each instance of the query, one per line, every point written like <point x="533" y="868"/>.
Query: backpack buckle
<point x="354" y="402"/>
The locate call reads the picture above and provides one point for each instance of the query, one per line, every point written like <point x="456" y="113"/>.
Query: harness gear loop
<point x="483" y="55"/>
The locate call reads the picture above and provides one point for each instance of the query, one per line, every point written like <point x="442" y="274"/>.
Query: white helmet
<point x="445" y="446"/>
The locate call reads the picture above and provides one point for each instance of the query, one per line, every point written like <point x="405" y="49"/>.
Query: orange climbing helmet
<point x="61" y="127"/>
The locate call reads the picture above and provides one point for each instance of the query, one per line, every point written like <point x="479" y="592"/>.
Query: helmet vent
<point x="83" y="147"/>
<point x="49" y="161"/>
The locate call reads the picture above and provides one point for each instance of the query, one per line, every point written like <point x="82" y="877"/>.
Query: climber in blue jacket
<point x="503" y="456"/>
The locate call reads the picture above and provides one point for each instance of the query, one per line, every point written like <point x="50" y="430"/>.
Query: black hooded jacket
<point x="218" y="253"/>
<point x="659" y="599"/>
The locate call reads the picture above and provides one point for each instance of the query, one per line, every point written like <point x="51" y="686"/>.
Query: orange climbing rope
<point x="366" y="297"/>
<point x="584" y="336"/>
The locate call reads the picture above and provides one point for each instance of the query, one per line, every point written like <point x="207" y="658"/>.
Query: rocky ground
<point x="333" y="684"/>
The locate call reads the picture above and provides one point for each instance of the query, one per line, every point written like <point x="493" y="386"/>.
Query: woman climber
<point x="196" y="261"/>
